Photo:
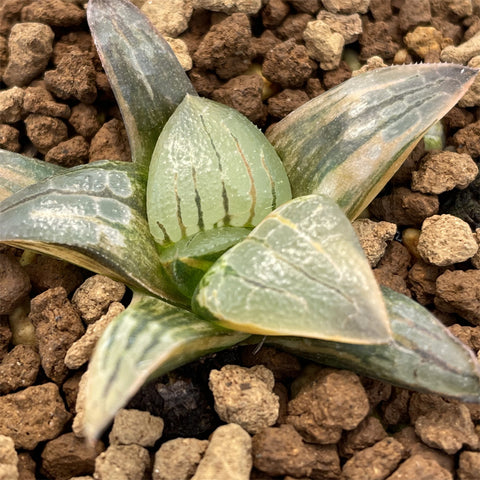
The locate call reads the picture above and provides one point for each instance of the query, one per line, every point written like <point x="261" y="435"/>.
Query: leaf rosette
<point x="202" y="227"/>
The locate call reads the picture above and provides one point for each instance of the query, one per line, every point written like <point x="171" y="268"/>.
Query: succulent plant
<point x="203" y="228"/>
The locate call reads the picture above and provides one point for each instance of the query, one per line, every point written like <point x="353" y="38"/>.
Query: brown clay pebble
<point x="84" y="120"/>
<point x="70" y="153"/>
<point x="19" y="368"/>
<point x="469" y="466"/>
<point x="57" y="13"/>
<point x="226" y="47"/>
<point x="178" y="459"/>
<point x="39" y="100"/>
<point x="281" y="451"/>
<point x="244" y="93"/>
<point x="467" y="140"/>
<point x="405" y="207"/>
<point x="44" y="418"/>
<point x="374" y="463"/>
<point x="369" y="432"/>
<point x="11" y="105"/>
<point x="333" y="402"/>
<point x="293" y="27"/>
<point x="110" y="143"/>
<point x="420" y="468"/>
<point x="9" y="138"/>
<point x="14" y="283"/>
<point x="459" y="292"/>
<point x="448" y="427"/>
<point x="286" y="101"/>
<point x="48" y="272"/>
<point x="57" y="326"/>
<point x="68" y="455"/>
<point x="45" y="132"/>
<point x="288" y="65"/>
<point x="94" y="296"/>
<point x="29" y="50"/>
<point x="74" y="77"/>
<point x="122" y="461"/>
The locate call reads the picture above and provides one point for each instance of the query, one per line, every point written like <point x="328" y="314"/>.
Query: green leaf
<point x="18" y="171"/>
<point x="348" y="142"/>
<point x="148" y="339"/>
<point x="301" y="272"/>
<point x="188" y="260"/>
<point x="211" y="168"/>
<point x="93" y="216"/>
<point x="424" y="355"/>
<point x="146" y="77"/>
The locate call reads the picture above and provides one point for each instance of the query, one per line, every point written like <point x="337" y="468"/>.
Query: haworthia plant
<point x="203" y="179"/>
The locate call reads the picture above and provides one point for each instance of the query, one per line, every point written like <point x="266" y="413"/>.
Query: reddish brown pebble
<point x="374" y="463"/>
<point x="57" y="326"/>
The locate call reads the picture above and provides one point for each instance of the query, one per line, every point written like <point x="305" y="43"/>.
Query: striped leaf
<point x="93" y="216"/>
<point x="348" y="142"/>
<point x="148" y="339"/>
<point x="301" y="272"/>
<point x="211" y="168"/>
<point x="144" y="73"/>
<point x="424" y="355"/>
<point x="18" y="171"/>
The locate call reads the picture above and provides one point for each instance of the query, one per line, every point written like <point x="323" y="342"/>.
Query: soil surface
<point x="246" y="412"/>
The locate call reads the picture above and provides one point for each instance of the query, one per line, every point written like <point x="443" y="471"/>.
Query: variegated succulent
<point x="202" y="227"/>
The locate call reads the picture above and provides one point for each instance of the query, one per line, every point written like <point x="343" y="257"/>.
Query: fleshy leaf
<point x="348" y="142"/>
<point x="300" y="272"/>
<point x="148" y="339"/>
<point x="211" y="168"/>
<point x="424" y="355"/>
<point x="93" y="216"/>
<point x="144" y="73"/>
<point x="18" y="171"/>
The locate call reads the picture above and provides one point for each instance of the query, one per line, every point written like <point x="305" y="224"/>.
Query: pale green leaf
<point x="211" y="168"/>
<point x="148" y="339"/>
<point x="300" y="272"/>
<point x="93" y="216"/>
<point x="424" y="355"/>
<point x="18" y="171"/>
<point x="144" y="73"/>
<point x="348" y="142"/>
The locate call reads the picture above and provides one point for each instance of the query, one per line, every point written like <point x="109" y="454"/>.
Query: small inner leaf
<point x="211" y="168"/>
<point x="300" y="272"/>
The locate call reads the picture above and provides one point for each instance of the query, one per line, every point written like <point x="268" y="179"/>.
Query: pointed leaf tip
<point x="144" y="73"/>
<point x="348" y="142"/>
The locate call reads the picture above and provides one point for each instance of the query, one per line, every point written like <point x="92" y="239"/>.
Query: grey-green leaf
<point x="211" y="168"/>
<point x="93" y="216"/>
<point x="348" y="142"/>
<point x="148" y="339"/>
<point x="424" y="355"/>
<point x="300" y="272"/>
<point x="146" y="77"/>
<point x="18" y="171"/>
